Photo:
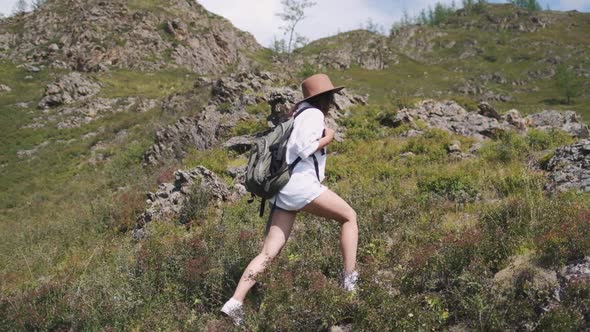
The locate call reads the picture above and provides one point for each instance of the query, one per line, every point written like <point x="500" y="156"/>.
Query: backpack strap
<point x="262" y="205"/>
<point x="273" y="207"/>
<point x="316" y="165"/>
<point x="301" y="110"/>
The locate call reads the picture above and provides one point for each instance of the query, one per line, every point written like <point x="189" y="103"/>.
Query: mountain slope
<point x="95" y="35"/>
<point x="500" y="54"/>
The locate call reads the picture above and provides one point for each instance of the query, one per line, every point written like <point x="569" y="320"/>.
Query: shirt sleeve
<point x="308" y="132"/>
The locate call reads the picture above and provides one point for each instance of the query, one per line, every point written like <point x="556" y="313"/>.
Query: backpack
<point x="267" y="171"/>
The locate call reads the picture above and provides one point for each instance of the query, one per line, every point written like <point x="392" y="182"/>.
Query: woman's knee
<point x="349" y="216"/>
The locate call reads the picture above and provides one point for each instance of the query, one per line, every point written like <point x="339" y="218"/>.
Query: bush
<point x="458" y="188"/>
<point x="547" y="139"/>
<point x="432" y="144"/>
<point x="507" y="148"/>
<point x="564" y="239"/>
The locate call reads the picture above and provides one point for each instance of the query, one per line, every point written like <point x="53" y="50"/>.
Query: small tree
<point x="20" y="7"/>
<point x="36" y="4"/>
<point x="532" y="5"/>
<point x="373" y="27"/>
<point x="293" y="13"/>
<point x="568" y="83"/>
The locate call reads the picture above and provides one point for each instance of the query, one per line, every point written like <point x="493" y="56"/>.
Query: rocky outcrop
<point x="450" y="116"/>
<point x="146" y="35"/>
<point x="5" y="88"/>
<point x="171" y="199"/>
<point x="247" y="96"/>
<point x="68" y="89"/>
<point x="363" y="48"/>
<point x="487" y="123"/>
<point x="567" y="121"/>
<point x="576" y="272"/>
<point x="85" y="110"/>
<point x="569" y="168"/>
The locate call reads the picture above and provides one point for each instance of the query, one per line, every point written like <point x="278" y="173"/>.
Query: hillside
<point x="122" y="205"/>
<point x="502" y="54"/>
<point x="144" y="35"/>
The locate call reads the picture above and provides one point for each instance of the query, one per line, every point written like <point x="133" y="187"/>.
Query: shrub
<point x="504" y="228"/>
<point x="547" y="139"/>
<point x="306" y="71"/>
<point x="564" y="239"/>
<point x="195" y="206"/>
<point x="432" y="144"/>
<point x="508" y="147"/>
<point x="458" y="188"/>
<point x="249" y="127"/>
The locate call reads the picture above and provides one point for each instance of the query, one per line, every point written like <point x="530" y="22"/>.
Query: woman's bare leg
<point x="330" y="205"/>
<point x="280" y="228"/>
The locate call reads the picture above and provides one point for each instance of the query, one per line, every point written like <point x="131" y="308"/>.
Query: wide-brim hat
<point x="316" y="85"/>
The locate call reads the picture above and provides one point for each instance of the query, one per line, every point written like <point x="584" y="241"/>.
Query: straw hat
<point x="316" y="85"/>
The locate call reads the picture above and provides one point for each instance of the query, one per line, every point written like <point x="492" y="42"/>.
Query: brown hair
<point x="322" y="101"/>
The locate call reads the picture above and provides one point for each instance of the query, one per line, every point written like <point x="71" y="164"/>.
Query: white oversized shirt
<point x="308" y="129"/>
<point x="304" y="186"/>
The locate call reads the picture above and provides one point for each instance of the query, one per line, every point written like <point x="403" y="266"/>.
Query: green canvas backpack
<point x="267" y="171"/>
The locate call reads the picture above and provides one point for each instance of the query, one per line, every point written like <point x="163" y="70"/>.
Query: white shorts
<point x="301" y="189"/>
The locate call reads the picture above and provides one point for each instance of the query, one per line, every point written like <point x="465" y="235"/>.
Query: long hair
<point x="322" y="101"/>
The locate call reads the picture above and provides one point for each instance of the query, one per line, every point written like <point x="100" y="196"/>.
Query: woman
<point x="304" y="192"/>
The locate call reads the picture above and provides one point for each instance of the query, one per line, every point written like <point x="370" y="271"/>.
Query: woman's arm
<point x="326" y="139"/>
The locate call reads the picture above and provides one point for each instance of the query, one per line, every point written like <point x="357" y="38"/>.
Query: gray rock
<point x="569" y="168"/>
<point x="455" y="146"/>
<point x="567" y="121"/>
<point x="68" y="89"/>
<point x="5" y="88"/>
<point x="487" y="110"/>
<point x="239" y="143"/>
<point x="168" y="201"/>
<point x="448" y="115"/>
<point x="53" y="48"/>
<point x="514" y="118"/>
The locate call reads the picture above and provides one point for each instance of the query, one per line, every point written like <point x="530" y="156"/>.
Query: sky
<point x="327" y="17"/>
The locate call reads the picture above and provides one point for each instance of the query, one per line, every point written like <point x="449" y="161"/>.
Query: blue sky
<point x="328" y="17"/>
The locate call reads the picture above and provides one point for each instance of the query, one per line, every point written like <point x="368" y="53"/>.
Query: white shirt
<point x="303" y="186"/>
<point x="308" y="128"/>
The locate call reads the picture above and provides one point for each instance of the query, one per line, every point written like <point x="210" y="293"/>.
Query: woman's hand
<point x="327" y="139"/>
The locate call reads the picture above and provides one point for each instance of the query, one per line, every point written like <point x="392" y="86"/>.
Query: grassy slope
<point x="441" y="70"/>
<point x="433" y="230"/>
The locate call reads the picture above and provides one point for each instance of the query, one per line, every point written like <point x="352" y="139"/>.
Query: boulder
<point x="567" y="121"/>
<point x="569" y="168"/>
<point x="5" y="88"/>
<point x="69" y="89"/>
<point x="168" y="202"/>
<point x="487" y="110"/>
<point x="450" y="116"/>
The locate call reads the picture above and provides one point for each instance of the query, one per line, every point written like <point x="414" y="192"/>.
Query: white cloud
<point x="6" y="6"/>
<point x="572" y="4"/>
<point x="326" y="18"/>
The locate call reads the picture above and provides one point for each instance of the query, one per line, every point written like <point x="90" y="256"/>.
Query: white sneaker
<point x="349" y="280"/>
<point x="233" y="308"/>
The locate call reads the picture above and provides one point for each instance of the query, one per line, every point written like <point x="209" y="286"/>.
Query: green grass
<point x="434" y="230"/>
<point x="158" y="84"/>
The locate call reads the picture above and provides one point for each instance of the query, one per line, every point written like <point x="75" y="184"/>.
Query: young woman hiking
<point x="304" y="192"/>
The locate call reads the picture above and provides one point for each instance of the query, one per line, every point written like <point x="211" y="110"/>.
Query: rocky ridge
<point x="170" y="199"/>
<point x="72" y="101"/>
<point x="97" y="35"/>
<point x="569" y="168"/>
<point x="487" y="122"/>
<point x="366" y="49"/>
<point x="245" y="97"/>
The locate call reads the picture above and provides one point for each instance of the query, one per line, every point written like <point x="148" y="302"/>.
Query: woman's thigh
<point x="330" y="205"/>
<point x="279" y="231"/>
